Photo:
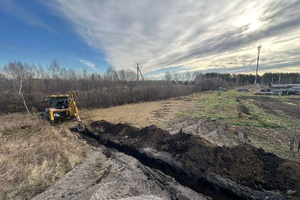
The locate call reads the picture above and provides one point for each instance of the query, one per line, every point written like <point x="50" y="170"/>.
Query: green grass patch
<point x="212" y="106"/>
<point x="226" y="108"/>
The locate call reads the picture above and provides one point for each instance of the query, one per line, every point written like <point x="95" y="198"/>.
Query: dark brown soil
<point x="246" y="165"/>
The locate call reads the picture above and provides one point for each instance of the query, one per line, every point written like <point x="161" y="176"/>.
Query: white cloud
<point x="198" y="35"/>
<point x="88" y="63"/>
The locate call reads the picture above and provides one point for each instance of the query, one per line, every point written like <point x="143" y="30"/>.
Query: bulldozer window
<point x="57" y="102"/>
<point x="66" y="104"/>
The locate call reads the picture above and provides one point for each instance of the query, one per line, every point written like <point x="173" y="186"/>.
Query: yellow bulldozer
<point x="63" y="106"/>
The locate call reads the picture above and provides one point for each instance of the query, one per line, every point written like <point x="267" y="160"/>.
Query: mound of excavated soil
<point x="243" y="171"/>
<point x="108" y="174"/>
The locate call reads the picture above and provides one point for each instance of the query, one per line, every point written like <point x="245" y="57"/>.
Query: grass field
<point x="33" y="155"/>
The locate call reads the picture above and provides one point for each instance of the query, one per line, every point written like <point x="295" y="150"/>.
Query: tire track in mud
<point x="198" y="179"/>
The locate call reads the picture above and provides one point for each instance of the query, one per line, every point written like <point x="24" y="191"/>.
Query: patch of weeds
<point x="258" y="117"/>
<point x="290" y="103"/>
<point x="160" y="124"/>
<point x="221" y="107"/>
<point x="244" y="123"/>
<point x="219" y="116"/>
<point x="279" y="112"/>
<point x="215" y="107"/>
<point x="188" y="115"/>
<point x="269" y="125"/>
<point x="181" y="114"/>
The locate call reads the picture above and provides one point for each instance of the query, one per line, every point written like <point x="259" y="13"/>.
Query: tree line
<point x="24" y="87"/>
<point x="246" y="79"/>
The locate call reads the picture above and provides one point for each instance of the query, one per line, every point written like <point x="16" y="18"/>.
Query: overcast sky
<point x="160" y="35"/>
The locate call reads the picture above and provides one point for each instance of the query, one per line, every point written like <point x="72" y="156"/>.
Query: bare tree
<point x="72" y="75"/>
<point x="19" y="74"/>
<point x="5" y="93"/>
<point x="122" y="75"/>
<point x="176" y="76"/>
<point x="168" y="76"/>
<point x="54" y="69"/>
<point x="293" y="136"/>
<point x="111" y="74"/>
<point x="130" y="75"/>
<point x="188" y="76"/>
<point x="199" y="77"/>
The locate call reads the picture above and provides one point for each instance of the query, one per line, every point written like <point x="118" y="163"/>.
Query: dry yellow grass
<point x="142" y="114"/>
<point x="34" y="154"/>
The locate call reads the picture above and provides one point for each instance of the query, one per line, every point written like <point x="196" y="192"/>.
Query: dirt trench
<point x="240" y="172"/>
<point x="110" y="174"/>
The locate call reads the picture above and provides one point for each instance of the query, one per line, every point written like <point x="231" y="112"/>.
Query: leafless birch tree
<point x="19" y="74"/>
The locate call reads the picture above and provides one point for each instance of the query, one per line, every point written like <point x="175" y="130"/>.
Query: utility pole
<point x="138" y="72"/>
<point x="258" y="48"/>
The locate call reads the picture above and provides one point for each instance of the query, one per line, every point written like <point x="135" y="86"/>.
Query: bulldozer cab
<point x="59" y="102"/>
<point x="62" y="106"/>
